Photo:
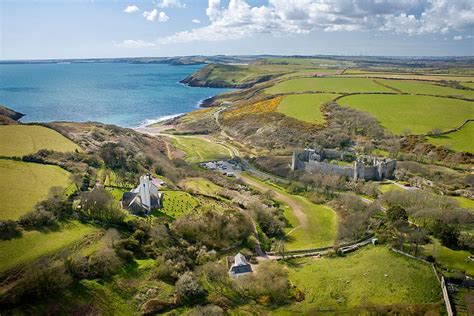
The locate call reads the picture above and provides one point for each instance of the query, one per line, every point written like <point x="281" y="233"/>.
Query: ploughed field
<point x="20" y="140"/>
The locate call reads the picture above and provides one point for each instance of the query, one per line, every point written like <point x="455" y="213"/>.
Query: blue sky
<point x="46" y="29"/>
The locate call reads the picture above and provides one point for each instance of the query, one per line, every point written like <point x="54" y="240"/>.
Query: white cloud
<point x="153" y="15"/>
<point x="239" y="19"/>
<point x="171" y="4"/>
<point x="458" y="38"/>
<point x="131" y="9"/>
<point x="196" y="21"/>
<point x="135" y="44"/>
<point x="150" y="15"/>
<point x="162" y="17"/>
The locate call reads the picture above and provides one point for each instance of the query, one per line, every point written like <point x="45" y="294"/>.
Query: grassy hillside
<point x="198" y="149"/>
<point x="338" y="85"/>
<point x="34" y="244"/>
<point x="24" y="184"/>
<point x="305" y="107"/>
<point x="418" y="114"/>
<point x="371" y="276"/>
<point x="417" y="87"/>
<point x="20" y="140"/>
<point x="459" y="141"/>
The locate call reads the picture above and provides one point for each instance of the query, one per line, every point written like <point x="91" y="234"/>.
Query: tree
<point x="100" y="205"/>
<point x="188" y="289"/>
<point x="397" y="213"/>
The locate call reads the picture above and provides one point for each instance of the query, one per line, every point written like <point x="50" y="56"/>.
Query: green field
<point x="469" y="84"/>
<point x="321" y="230"/>
<point x="202" y="186"/>
<point x="335" y="84"/>
<point x="416" y="114"/>
<point x="464" y="202"/>
<point x="24" y="184"/>
<point x="20" y="140"/>
<point x="199" y="149"/>
<point x="34" y="244"/>
<point x="450" y="259"/>
<point x="418" y="87"/>
<point x="305" y="107"/>
<point x="321" y="227"/>
<point x="461" y="140"/>
<point x="371" y="276"/>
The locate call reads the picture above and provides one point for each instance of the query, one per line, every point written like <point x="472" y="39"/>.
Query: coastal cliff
<point x="8" y="116"/>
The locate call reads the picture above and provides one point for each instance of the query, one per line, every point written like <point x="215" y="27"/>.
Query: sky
<point x="50" y="29"/>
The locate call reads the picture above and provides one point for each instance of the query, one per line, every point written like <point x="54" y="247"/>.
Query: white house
<point x="144" y="198"/>
<point x="240" y="266"/>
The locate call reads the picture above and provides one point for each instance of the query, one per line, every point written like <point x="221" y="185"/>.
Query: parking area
<point x="225" y="167"/>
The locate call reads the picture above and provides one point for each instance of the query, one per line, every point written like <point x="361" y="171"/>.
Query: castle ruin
<point x="362" y="168"/>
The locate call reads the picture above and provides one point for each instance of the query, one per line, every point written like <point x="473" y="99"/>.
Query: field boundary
<point x="456" y="129"/>
<point x="441" y="280"/>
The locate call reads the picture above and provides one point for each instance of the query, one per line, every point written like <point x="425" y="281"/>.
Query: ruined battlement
<point x="363" y="168"/>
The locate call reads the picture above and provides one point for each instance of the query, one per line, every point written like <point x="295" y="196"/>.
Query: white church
<point x="144" y="198"/>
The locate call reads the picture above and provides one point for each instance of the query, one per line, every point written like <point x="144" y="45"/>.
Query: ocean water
<point x="127" y="95"/>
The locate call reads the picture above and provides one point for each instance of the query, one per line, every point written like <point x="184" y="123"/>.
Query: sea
<point x="124" y="94"/>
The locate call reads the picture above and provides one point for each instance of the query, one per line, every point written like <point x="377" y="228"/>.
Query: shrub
<point x="37" y="219"/>
<point x="44" y="278"/>
<point x="100" y="205"/>
<point x="208" y="310"/>
<point x="188" y="289"/>
<point x="9" y="229"/>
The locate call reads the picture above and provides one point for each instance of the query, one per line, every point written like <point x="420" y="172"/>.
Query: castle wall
<point x="378" y="170"/>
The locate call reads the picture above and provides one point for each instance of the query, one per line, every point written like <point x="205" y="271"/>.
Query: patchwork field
<point x="461" y="140"/>
<point x="418" y="87"/>
<point x="370" y="276"/>
<point x="305" y="107"/>
<point x="388" y="75"/>
<point x="418" y="114"/>
<point x="34" y="244"/>
<point x="20" y="140"/>
<point x="198" y="149"/>
<point x="469" y="84"/>
<point x="311" y="225"/>
<point x="24" y="184"/>
<point x="334" y="84"/>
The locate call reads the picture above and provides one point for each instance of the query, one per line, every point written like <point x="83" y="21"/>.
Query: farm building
<point x="144" y="198"/>
<point x="239" y="266"/>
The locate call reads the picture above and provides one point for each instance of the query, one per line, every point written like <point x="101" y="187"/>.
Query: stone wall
<point x="370" y="168"/>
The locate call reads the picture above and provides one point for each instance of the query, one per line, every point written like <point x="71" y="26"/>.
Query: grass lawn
<point x="388" y="187"/>
<point x="449" y="258"/>
<point x="321" y="228"/>
<point x="202" y="185"/>
<point x="461" y="140"/>
<point x="20" y="140"/>
<point x="199" y="149"/>
<point x="24" y="184"/>
<point x="370" y="276"/>
<point x="469" y="84"/>
<point x="418" y="114"/>
<point x="418" y="87"/>
<point x="34" y="244"/>
<point x="464" y="202"/>
<point x="176" y="204"/>
<point x="305" y="107"/>
<point x="338" y="85"/>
